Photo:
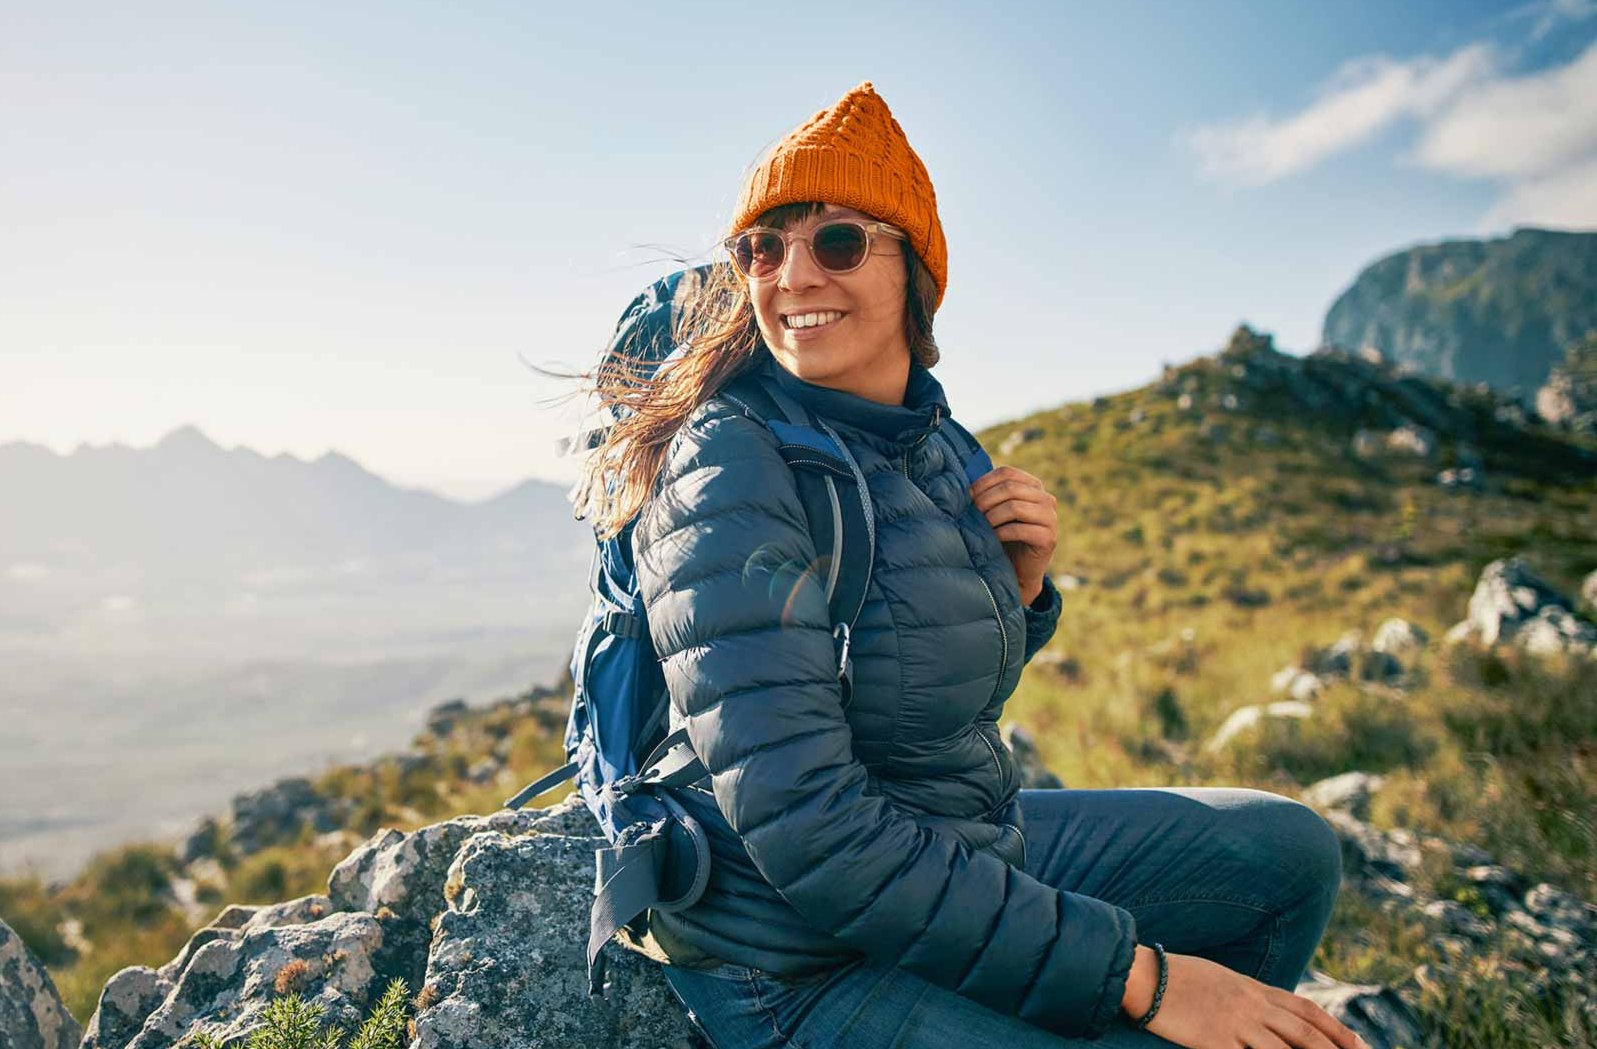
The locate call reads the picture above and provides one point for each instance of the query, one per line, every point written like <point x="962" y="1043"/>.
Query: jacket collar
<point x="924" y="408"/>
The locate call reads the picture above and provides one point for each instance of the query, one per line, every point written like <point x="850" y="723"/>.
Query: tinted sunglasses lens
<point x="758" y="254"/>
<point x="839" y="246"/>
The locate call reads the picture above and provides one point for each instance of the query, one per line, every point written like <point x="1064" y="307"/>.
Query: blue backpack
<point x="625" y="763"/>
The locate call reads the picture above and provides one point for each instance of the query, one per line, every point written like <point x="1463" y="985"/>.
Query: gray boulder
<point x="31" y="1013"/>
<point x="507" y="969"/>
<point x="1246" y="719"/>
<point x="1374" y="1013"/>
<point x="278" y="813"/>
<point x="1033" y="773"/>
<point x="1350" y="791"/>
<point x="1511" y="604"/>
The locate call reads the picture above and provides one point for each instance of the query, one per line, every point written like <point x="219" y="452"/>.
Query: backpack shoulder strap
<point x="966" y="448"/>
<point x="837" y="502"/>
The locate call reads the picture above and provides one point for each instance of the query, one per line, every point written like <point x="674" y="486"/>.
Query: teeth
<point x="812" y="320"/>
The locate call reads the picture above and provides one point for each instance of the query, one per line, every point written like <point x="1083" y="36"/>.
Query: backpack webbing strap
<point x="543" y="783"/>
<point x="628" y="875"/>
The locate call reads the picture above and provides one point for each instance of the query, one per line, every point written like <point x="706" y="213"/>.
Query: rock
<point x="1500" y="887"/>
<point x="278" y="813"/>
<point x="1411" y="440"/>
<point x="484" y="771"/>
<point x="1339" y="659"/>
<point x="126" y="1001"/>
<point x="507" y="961"/>
<point x="1184" y="402"/>
<point x="32" y="1015"/>
<point x="1366" y="444"/>
<point x="1368" y="852"/>
<point x="202" y="842"/>
<point x="1511" y="604"/>
<point x="1247" y="718"/>
<point x="228" y="982"/>
<point x="1066" y="581"/>
<point x="441" y="719"/>
<point x="1025" y="435"/>
<point x="1374" y="1013"/>
<point x="1462" y="477"/>
<point x="1350" y="791"/>
<point x="1297" y="683"/>
<point x="1456" y="918"/>
<point x="1033" y="773"/>
<point x="1588" y="590"/>
<point x="402" y="875"/>
<point x="1400" y="638"/>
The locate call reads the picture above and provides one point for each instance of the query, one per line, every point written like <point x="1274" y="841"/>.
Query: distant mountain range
<point x="1500" y="311"/>
<point x="187" y="506"/>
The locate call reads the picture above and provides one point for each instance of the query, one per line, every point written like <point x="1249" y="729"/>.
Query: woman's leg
<point x="1242" y="877"/>
<point x="861" y="1006"/>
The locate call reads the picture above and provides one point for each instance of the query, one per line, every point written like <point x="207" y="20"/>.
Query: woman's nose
<point x="799" y="270"/>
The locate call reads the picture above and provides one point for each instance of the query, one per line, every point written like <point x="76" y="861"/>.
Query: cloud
<point x="1529" y="126"/>
<point x="1535" y="134"/>
<point x="1566" y="198"/>
<point x="1550" y="14"/>
<point x="1362" y="98"/>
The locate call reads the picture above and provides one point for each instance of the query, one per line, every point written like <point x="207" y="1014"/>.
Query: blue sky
<point x="304" y="227"/>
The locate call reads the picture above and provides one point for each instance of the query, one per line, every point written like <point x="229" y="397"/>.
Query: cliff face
<point x="1495" y="311"/>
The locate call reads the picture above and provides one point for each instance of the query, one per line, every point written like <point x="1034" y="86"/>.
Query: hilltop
<point x="1499" y="311"/>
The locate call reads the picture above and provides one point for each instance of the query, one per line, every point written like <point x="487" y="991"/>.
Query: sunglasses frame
<point x="872" y="230"/>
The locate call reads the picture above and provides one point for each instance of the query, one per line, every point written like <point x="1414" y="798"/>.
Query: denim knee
<point x="1309" y="846"/>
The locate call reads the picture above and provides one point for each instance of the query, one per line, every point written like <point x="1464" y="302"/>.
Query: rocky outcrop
<point x="279" y="813"/>
<point x="1513" y="605"/>
<point x="1497" y="311"/>
<point x="488" y="915"/>
<point x="31" y="1013"/>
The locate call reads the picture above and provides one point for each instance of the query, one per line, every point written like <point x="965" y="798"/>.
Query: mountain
<point x="1498" y="311"/>
<point x="187" y="507"/>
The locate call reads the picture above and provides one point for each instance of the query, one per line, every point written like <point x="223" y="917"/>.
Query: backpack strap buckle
<point x="622" y="624"/>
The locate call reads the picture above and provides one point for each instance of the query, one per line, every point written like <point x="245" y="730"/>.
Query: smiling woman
<point x="877" y="876"/>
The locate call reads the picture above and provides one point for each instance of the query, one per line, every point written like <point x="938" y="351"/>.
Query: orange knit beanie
<point x="853" y="154"/>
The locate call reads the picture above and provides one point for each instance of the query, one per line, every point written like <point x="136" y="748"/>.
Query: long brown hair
<point x="716" y="319"/>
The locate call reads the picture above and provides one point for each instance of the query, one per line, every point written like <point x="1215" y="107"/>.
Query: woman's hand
<point x="1024" y="516"/>
<point x="1207" y="1006"/>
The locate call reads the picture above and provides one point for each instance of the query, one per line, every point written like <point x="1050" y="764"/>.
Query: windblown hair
<point x="716" y="319"/>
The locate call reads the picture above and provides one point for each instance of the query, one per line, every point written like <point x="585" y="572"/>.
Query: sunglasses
<point x="839" y="246"/>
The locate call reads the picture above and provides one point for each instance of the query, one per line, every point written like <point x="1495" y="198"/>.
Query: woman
<point x="877" y="877"/>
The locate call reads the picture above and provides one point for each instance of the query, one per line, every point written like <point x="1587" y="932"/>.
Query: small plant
<point x="291" y="1022"/>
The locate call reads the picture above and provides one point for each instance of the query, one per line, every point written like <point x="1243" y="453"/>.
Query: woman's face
<point x="861" y="345"/>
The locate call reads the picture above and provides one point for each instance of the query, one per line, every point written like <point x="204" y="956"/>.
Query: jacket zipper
<point x="997" y="766"/>
<point x="1003" y="635"/>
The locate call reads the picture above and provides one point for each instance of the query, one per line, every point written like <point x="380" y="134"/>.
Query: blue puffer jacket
<point x="891" y="828"/>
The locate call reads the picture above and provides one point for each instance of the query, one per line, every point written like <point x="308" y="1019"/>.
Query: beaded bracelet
<point x="1158" y="996"/>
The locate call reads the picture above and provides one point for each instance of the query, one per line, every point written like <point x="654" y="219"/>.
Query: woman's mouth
<point x="807" y="321"/>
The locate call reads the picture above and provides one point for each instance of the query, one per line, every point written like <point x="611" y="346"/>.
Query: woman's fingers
<point x="1331" y="1032"/>
<point x="1020" y="510"/>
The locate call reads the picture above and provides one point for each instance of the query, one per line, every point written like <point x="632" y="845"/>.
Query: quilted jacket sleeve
<point x="1042" y="618"/>
<point x="747" y="653"/>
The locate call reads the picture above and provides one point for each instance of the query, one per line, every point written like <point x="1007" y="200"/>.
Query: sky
<point x="357" y="227"/>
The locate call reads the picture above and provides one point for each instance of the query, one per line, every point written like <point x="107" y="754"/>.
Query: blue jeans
<point x="1241" y="877"/>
